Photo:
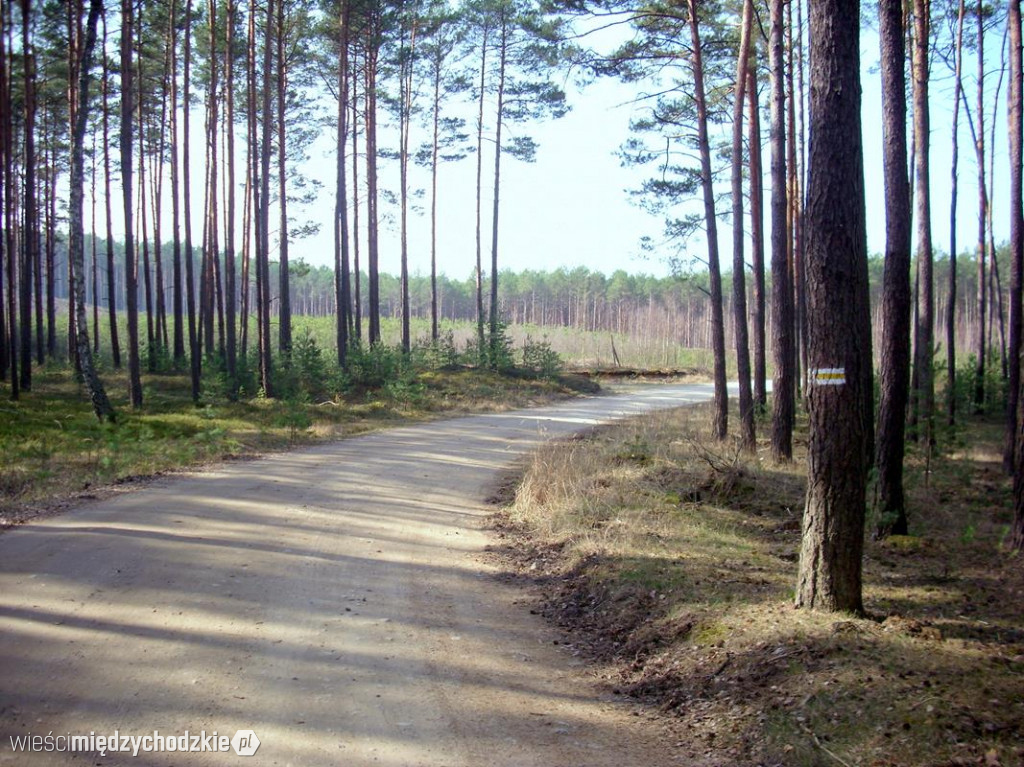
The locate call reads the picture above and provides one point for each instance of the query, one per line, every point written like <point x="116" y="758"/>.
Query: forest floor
<point x="55" y="453"/>
<point x="669" y="561"/>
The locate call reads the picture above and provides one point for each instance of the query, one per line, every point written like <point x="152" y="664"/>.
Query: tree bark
<point x="30" y="230"/>
<point x="285" y="297"/>
<point x="372" y="220"/>
<point x="499" y="117"/>
<point x="739" y="267"/>
<point x="342" y="288"/>
<point x="479" y="193"/>
<point x="177" y="307"/>
<point x="1015" y="118"/>
<point x="230" y="282"/>
<point x="954" y="183"/>
<point x="783" y="345"/>
<point x="833" y="527"/>
<point x="1015" y="105"/>
<point x="76" y="246"/>
<point x="890" y="503"/>
<point x="131" y="267"/>
<point x="8" y="214"/>
<point x="405" y="117"/>
<point x="263" y="249"/>
<point x="195" y="359"/>
<point x="720" y="408"/>
<point x="923" y="396"/>
<point x="757" y="242"/>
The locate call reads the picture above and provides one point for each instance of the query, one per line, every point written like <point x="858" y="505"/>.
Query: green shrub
<point x="540" y="359"/>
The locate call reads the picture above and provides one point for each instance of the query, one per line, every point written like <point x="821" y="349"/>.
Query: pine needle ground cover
<point x="670" y="561"/>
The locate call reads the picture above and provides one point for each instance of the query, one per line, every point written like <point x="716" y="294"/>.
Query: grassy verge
<point x="671" y="559"/>
<point x="53" y="450"/>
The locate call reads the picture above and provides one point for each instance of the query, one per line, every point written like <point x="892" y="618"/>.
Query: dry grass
<point x="672" y="559"/>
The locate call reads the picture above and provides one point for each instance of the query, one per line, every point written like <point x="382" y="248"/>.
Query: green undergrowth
<point x="54" y="450"/>
<point x="671" y="559"/>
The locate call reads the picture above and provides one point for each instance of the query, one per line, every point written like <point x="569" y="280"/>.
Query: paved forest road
<point x="332" y="599"/>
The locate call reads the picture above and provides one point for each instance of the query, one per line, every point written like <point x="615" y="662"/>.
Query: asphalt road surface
<point x="333" y="600"/>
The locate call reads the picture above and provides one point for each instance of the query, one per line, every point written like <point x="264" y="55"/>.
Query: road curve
<point x="331" y="599"/>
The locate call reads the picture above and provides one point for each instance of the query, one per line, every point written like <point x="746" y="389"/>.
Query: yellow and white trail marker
<point x="828" y="376"/>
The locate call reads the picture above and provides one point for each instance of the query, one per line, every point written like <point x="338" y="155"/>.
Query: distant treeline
<point x="644" y="306"/>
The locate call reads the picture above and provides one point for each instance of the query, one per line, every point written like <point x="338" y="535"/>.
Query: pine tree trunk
<point x="1016" y="287"/>
<point x="285" y="297"/>
<point x="1015" y="118"/>
<point x="434" y="152"/>
<point x="405" y="117"/>
<point x="757" y="241"/>
<point x="342" y="288"/>
<point x="370" y="122"/>
<point x="783" y="345"/>
<point x="890" y="504"/>
<point x="115" y="344"/>
<point x="479" y="196"/>
<point x="177" y="299"/>
<point x="95" y="272"/>
<point x="923" y="396"/>
<point x="499" y="119"/>
<point x="263" y="251"/>
<point x="195" y="358"/>
<point x="30" y="231"/>
<point x="10" y="363"/>
<point x="357" y="301"/>
<point x="131" y="267"/>
<point x="76" y="246"/>
<point x="833" y="526"/>
<point x="954" y="183"/>
<point x="739" y="267"/>
<point x="230" y="286"/>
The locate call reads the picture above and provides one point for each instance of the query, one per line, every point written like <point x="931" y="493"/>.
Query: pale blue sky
<point x="570" y="208"/>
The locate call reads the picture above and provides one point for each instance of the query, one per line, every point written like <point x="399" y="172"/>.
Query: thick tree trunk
<point x="76" y="246"/>
<point x="833" y="527"/>
<point x="1015" y="105"/>
<point x="890" y="504"/>
<point x="1015" y="118"/>
<point x="739" y="267"/>
<point x="5" y="251"/>
<point x="783" y="345"/>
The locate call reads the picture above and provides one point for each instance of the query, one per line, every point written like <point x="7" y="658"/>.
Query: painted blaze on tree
<point x="839" y="349"/>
